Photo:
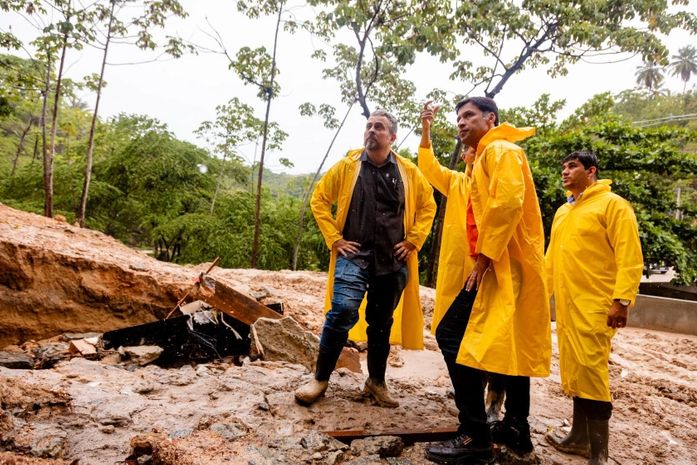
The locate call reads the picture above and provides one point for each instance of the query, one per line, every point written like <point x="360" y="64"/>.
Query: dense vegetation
<point x="130" y="177"/>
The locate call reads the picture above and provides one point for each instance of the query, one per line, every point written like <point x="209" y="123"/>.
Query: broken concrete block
<point x="285" y="340"/>
<point x="82" y="347"/>
<point x="143" y="355"/>
<point x="16" y="360"/>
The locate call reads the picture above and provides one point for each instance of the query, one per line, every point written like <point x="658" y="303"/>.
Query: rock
<point x="82" y="347"/>
<point x="506" y="457"/>
<point x="285" y="340"/>
<point x="320" y="442"/>
<point x="72" y="336"/>
<point x="49" y="446"/>
<point x="47" y="354"/>
<point x="229" y="431"/>
<point x="111" y="358"/>
<point x="367" y="460"/>
<point x="181" y="433"/>
<point x="399" y="461"/>
<point x="350" y="359"/>
<point x="16" y="360"/>
<point x="142" y="355"/>
<point x="384" y="446"/>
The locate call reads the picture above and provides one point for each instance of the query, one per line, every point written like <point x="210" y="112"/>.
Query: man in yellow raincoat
<point x="384" y="212"/>
<point x="499" y="322"/>
<point x="594" y="267"/>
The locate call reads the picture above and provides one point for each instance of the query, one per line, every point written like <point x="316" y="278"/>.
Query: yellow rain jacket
<point x="454" y="261"/>
<point x="509" y="328"/>
<point x="336" y="186"/>
<point x="594" y="256"/>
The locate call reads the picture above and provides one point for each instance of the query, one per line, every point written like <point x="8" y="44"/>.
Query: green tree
<point x="522" y="35"/>
<point x="152" y="14"/>
<point x="650" y="75"/>
<point x="684" y="64"/>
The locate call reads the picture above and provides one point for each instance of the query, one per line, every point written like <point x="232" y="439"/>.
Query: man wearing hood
<point x="384" y="211"/>
<point x="500" y="321"/>
<point x="594" y="265"/>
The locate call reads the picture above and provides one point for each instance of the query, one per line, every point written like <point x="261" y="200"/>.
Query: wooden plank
<point x="226" y="299"/>
<point x="409" y="436"/>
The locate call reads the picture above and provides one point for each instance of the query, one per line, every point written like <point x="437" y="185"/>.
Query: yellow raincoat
<point x="336" y="186"/>
<point x="509" y="328"/>
<point x="454" y="261"/>
<point x="594" y="256"/>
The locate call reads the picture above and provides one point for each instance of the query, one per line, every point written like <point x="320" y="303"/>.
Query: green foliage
<point x="540" y="33"/>
<point x="645" y="166"/>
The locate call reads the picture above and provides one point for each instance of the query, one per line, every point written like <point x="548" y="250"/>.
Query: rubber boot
<point x="599" y="435"/>
<point x="378" y="391"/>
<point x="514" y="433"/>
<point x="576" y="442"/>
<point x="313" y="390"/>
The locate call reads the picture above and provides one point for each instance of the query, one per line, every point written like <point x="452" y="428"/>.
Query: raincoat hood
<point x="504" y="131"/>
<point x="601" y="185"/>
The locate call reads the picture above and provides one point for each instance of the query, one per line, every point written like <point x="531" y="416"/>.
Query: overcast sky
<point x="183" y="93"/>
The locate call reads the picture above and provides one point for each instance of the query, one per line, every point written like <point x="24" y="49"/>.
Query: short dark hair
<point x="390" y="117"/>
<point x="485" y="105"/>
<point x="587" y="159"/>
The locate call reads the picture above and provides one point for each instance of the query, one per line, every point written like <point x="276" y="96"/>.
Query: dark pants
<point x="468" y="382"/>
<point x="595" y="409"/>
<point x="351" y="283"/>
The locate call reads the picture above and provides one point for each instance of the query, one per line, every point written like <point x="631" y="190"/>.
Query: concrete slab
<point x="662" y="313"/>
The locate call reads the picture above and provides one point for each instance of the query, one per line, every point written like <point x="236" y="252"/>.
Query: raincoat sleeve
<point x="438" y="175"/>
<point x="623" y="234"/>
<point x="324" y="195"/>
<point x="504" y="207"/>
<point x="424" y="212"/>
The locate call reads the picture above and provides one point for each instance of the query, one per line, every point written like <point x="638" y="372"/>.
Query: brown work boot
<point x="380" y="393"/>
<point x="310" y="392"/>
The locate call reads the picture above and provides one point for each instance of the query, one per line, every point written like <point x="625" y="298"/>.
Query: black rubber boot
<point x="514" y="433"/>
<point x="576" y="442"/>
<point x="599" y="435"/>
<point x="326" y="362"/>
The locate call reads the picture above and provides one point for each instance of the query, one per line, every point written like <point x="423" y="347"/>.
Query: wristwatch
<point x="624" y="302"/>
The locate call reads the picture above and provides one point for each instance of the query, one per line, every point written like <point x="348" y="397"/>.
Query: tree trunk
<point x="306" y="198"/>
<point x="44" y="141"/>
<point x="269" y="96"/>
<point x="432" y="274"/>
<point x="36" y="149"/>
<point x="48" y="161"/>
<point x="90" y="143"/>
<point x="20" y="145"/>
<point x="218" y="182"/>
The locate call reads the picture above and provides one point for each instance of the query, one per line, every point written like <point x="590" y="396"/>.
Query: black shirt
<point x="376" y="215"/>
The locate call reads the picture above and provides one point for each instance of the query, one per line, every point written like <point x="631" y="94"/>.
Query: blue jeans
<point x="351" y="283"/>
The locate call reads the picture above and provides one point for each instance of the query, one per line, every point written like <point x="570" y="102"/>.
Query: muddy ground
<point x="219" y="413"/>
<point x="92" y="412"/>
